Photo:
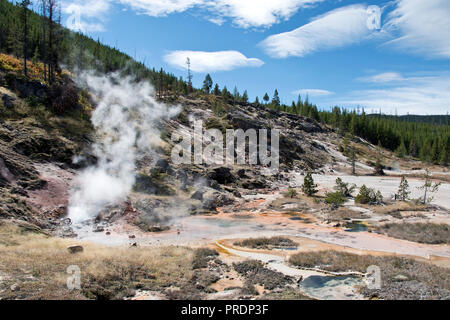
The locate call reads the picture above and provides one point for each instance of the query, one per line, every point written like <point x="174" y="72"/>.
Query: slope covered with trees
<point x="40" y="37"/>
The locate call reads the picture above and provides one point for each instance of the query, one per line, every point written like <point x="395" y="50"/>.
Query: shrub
<point x="335" y="198"/>
<point x="291" y="193"/>
<point x="309" y="187"/>
<point x="266" y="243"/>
<point x="368" y="196"/>
<point x="344" y="188"/>
<point x="63" y="98"/>
<point x="429" y="233"/>
<point x="202" y="256"/>
<point x="403" y="190"/>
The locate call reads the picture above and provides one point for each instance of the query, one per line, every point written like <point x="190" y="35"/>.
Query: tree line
<point x="424" y="138"/>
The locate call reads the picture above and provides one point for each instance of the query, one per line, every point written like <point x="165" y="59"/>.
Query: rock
<point x="222" y="175"/>
<point x="152" y="184"/>
<point x="8" y="101"/>
<point x="157" y="228"/>
<point x="400" y="278"/>
<point x="75" y="249"/>
<point x="214" y="200"/>
<point x="99" y="229"/>
<point x="237" y="194"/>
<point x="132" y="236"/>
<point x="34" y="184"/>
<point x="163" y="165"/>
<point x="241" y="173"/>
<point x="14" y="287"/>
<point x="198" y="195"/>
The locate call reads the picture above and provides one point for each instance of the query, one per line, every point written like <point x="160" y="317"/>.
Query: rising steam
<point x="124" y="121"/>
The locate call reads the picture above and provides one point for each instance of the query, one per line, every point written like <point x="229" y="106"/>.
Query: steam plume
<point x="124" y="121"/>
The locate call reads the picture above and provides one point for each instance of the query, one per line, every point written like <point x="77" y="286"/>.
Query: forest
<point x="40" y="37"/>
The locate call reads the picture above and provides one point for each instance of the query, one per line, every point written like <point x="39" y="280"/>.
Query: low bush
<point x="430" y="233"/>
<point x="335" y="198"/>
<point x="266" y="243"/>
<point x="368" y="196"/>
<point x="291" y="193"/>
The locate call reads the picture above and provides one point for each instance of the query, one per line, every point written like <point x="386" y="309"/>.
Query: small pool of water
<point x="356" y="226"/>
<point x="331" y="287"/>
<point x="286" y="248"/>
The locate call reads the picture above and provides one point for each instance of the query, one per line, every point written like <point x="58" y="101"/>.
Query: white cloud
<point x="383" y="78"/>
<point x="313" y="92"/>
<point x="86" y="15"/>
<point x="415" y="95"/>
<point x="423" y="27"/>
<point x="257" y="13"/>
<point x="202" y="61"/>
<point x="157" y="8"/>
<point x="245" y="14"/>
<point x="337" y="28"/>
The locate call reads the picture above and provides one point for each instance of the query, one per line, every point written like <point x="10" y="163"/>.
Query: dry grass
<point x="345" y="214"/>
<point x="255" y="273"/>
<point x="424" y="281"/>
<point x="430" y="233"/>
<point x="37" y="265"/>
<point x="396" y="208"/>
<point x="266" y="243"/>
<point x="287" y="293"/>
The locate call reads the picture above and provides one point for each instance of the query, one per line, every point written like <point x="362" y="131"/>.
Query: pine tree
<point x="413" y="148"/>
<point x="401" y="150"/>
<point x="428" y="187"/>
<point x="245" y="96"/>
<point x="236" y="95"/>
<point x="257" y="100"/>
<point x="36" y="56"/>
<point x="309" y="187"/>
<point x="443" y="159"/>
<point x="216" y="90"/>
<point x="266" y="98"/>
<point x="276" y="99"/>
<point x="403" y="190"/>
<point x="25" y="29"/>
<point x="434" y="156"/>
<point x="378" y="165"/>
<point x="226" y="94"/>
<point x="207" y="83"/>
<point x="353" y="161"/>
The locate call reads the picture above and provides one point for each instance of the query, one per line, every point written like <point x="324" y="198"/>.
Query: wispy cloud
<point x="416" y="94"/>
<point x="313" y="92"/>
<point x="257" y="13"/>
<point x="86" y="15"/>
<point x="337" y="28"/>
<point x="202" y="61"/>
<point x="244" y="14"/>
<point x="383" y="78"/>
<point x="422" y="27"/>
<point x="159" y="8"/>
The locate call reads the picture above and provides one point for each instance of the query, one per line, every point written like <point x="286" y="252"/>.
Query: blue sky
<point x="388" y="55"/>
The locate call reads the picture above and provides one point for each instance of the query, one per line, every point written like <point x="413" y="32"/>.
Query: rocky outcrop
<point x="8" y="101"/>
